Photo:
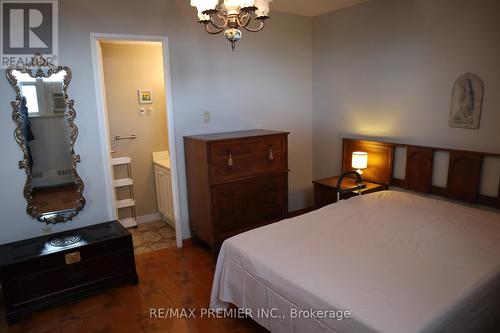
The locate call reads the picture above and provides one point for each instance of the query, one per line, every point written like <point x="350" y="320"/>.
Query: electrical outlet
<point x="206" y="117"/>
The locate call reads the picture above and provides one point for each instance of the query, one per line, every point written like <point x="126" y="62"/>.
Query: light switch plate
<point x="206" y="117"/>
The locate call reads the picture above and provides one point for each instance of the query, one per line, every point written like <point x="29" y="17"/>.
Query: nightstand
<point x="325" y="190"/>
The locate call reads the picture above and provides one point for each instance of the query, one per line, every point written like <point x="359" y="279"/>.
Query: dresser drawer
<point x="241" y="158"/>
<point x="222" y="172"/>
<point x="247" y="149"/>
<point x="248" y="204"/>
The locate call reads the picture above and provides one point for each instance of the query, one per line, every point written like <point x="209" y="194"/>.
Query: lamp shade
<point x="262" y="8"/>
<point x="246" y="3"/>
<point x="359" y="160"/>
<point x="234" y="6"/>
<point x="203" y="5"/>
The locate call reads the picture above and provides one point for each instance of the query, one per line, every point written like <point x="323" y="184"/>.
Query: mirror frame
<point x="40" y="67"/>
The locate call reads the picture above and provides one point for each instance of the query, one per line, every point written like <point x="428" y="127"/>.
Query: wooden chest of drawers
<point x="35" y="274"/>
<point x="236" y="181"/>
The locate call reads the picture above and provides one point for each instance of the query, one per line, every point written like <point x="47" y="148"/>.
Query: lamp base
<point x="359" y="171"/>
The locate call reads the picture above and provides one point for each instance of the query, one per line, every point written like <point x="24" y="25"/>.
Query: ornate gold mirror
<point x="46" y="132"/>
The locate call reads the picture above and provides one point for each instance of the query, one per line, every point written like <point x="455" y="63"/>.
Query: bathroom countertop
<point x="162" y="159"/>
<point x="163" y="163"/>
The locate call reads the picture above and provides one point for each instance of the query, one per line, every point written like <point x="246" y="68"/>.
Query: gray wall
<point x="267" y="84"/>
<point x="385" y="69"/>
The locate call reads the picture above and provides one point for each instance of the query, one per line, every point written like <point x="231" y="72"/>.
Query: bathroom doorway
<point x="133" y="88"/>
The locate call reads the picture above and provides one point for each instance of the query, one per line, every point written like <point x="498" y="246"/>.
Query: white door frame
<point x="95" y="38"/>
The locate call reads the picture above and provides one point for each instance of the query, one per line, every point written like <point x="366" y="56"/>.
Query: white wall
<point x="385" y="69"/>
<point x="266" y="83"/>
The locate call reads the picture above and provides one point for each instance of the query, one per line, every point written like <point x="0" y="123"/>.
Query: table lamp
<point x="359" y="161"/>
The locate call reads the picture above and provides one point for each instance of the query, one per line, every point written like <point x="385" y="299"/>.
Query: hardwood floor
<point x="169" y="278"/>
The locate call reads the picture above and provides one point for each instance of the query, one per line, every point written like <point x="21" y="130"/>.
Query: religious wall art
<point x="467" y="102"/>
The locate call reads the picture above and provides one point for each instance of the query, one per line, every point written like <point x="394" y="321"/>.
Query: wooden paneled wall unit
<point x="464" y="170"/>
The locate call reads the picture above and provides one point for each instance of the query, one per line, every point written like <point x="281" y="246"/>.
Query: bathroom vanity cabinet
<point x="163" y="181"/>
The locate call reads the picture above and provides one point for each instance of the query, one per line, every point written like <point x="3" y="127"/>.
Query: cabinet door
<point x="248" y="204"/>
<point x="161" y="190"/>
<point x="164" y="197"/>
<point x="242" y="158"/>
<point x="169" y="204"/>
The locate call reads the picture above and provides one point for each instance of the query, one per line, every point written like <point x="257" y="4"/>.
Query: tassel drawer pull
<point x="271" y="155"/>
<point x="230" y="162"/>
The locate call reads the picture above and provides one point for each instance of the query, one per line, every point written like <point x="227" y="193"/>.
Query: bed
<point x="391" y="262"/>
<point x="398" y="262"/>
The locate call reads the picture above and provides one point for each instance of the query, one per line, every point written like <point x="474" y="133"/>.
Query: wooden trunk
<point x="35" y="274"/>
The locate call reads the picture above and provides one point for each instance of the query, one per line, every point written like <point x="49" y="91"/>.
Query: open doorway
<point x="133" y="90"/>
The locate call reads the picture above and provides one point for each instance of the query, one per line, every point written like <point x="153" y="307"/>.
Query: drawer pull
<point x="72" y="258"/>
<point x="271" y="155"/>
<point x="230" y="162"/>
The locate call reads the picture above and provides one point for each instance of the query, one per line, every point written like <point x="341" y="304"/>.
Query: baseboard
<point x="149" y="218"/>
<point x="187" y="242"/>
<point x="170" y="223"/>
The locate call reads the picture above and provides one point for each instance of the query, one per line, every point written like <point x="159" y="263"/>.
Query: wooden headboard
<point x="380" y="159"/>
<point x="464" y="169"/>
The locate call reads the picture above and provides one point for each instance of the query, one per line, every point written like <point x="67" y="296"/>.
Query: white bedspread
<point x="400" y="263"/>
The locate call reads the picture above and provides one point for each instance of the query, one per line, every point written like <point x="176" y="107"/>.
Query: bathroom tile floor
<point x="152" y="236"/>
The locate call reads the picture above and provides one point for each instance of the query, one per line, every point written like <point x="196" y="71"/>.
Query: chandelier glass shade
<point x="231" y="16"/>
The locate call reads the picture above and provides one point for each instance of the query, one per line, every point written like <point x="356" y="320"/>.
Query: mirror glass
<point x="46" y="133"/>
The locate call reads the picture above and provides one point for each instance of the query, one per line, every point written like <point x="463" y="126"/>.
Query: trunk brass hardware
<point x="72" y="258"/>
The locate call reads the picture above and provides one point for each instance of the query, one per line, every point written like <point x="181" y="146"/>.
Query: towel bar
<point x="132" y="137"/>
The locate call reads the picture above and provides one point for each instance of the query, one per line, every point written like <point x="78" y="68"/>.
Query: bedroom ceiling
<point x="311" y="7"/>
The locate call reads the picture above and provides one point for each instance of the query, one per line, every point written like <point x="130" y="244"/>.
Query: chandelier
<point x="231" y="16"/>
